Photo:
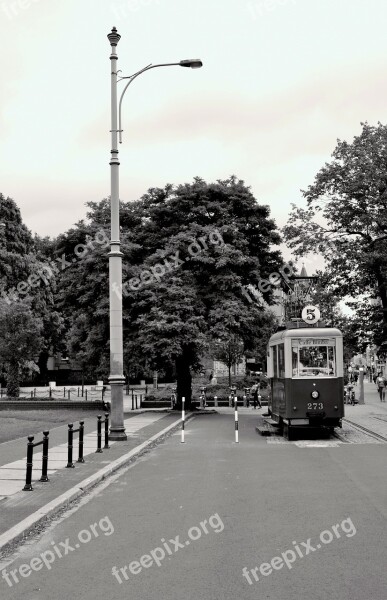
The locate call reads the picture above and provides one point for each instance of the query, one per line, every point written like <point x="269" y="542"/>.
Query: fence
<point x="70" y="447"/>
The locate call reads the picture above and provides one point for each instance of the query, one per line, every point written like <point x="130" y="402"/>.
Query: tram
<point x="305" y="370"/>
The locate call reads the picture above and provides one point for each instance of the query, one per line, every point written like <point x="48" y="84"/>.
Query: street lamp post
<point x="116" y="378"/>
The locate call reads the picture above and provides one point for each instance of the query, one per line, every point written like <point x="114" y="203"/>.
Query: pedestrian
<point x="254" y="391"/>
<point x="381" y="383"/>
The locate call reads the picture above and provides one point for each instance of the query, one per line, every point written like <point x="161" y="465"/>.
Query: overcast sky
<point x="282" y="80"/>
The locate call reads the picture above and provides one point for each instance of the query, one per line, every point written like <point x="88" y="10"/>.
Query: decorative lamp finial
<point x="114" y="37"/>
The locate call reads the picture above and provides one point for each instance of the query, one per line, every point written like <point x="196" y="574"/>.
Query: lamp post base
<point x="117" y="427"/>
<point x="118" y="435"/>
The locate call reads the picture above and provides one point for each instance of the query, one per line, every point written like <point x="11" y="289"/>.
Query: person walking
<point x="254" y="391"/>
<point x="381" y="384"/>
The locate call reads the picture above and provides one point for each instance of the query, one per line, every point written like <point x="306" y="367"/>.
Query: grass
<point x="21" y="423"/>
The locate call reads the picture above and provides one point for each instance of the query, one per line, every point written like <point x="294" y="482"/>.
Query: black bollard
<point x="80" y="447"/>
<point x="34" y="392"/>
<point x="68" y="394"/>
<point x="99" y="434"/>
<point x="70" y="464"/>
<point x="86" y="394"/>
<point x="31" y="394"/>
<point x="44" y="476"/>
<point x="30" y="451"/>
<point x="78" y="392"/>
<point x="64" y="392"/>
<point x="106" y="431"/>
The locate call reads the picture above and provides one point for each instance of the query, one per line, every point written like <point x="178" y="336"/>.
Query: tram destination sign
<point x="314" y="342"/>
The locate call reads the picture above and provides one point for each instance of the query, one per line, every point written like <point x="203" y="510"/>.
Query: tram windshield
<point x="314" y="357"/>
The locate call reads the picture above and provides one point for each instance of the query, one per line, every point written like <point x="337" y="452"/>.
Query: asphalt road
<point x="321" y="510"/>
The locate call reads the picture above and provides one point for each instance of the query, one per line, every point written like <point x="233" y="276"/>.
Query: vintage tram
<point x="305" y="370"/>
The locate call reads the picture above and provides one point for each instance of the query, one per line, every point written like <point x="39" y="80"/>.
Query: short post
<point x="32" y="394"/>
<point x="44" y="476"/>
<point x="64" y="392"/>
<point x="132" y="400"/>
<point x="30" y="452"/>
<point x="182" y="419"/>
<point x="86" y="394"/>
<point x="50" y="392"/>
<point x="244" y="400"/>
<point x="70" y="438"/>
<point x="68" y="394"/>
<point x="78" y="392"/>
<point x="236" y="420"/>
<point x="106" y="431"/>
<point x="136" y="400"/>
<point x="361" y="385"/>
<point x="230" y="400"/>
<point x="215" y="400"/>
<point x="99" y="434"/>
<point x="80" y="441"/>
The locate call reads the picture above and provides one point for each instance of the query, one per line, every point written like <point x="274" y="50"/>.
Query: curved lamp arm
<point x="193" y="64"/>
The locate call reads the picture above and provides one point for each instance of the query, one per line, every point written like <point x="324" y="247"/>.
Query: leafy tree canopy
<point x="346" y="222"/>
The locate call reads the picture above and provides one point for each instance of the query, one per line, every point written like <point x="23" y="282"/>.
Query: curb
<point x="19" y="531"/>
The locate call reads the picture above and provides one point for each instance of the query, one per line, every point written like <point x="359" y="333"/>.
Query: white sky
<point x="282" y="80"/>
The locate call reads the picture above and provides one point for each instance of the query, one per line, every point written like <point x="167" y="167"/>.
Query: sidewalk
<point x="21" y="511"/>
<point x="372" y="414"/>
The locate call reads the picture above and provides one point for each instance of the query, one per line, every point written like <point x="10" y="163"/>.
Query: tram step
<point x="272" y="422"/>
<point x="265" y="429"/>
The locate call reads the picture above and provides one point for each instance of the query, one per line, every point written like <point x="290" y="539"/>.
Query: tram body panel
<point x="302" y="362"/>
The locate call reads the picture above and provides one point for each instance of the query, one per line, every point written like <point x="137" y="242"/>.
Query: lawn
<point x="21" y="423"/>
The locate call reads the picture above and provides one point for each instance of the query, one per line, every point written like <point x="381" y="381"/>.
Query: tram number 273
<point x="305" y="370"/>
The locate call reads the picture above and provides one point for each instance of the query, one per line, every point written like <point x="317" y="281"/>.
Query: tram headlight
<point x="315" y="394"/>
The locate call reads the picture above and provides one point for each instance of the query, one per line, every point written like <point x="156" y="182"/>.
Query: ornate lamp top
<point x="114" y="37"/>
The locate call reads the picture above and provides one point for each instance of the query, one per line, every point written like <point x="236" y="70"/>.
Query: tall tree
<point x="21" y="341"/>
<point x="346" y="222"/>
<point x="202" y="244"/>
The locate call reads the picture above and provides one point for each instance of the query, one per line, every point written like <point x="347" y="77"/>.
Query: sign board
<point x="310" y="314"/>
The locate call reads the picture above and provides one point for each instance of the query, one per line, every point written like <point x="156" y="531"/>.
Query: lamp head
<point x="194" y="63"/>
<point x="114" y="37"/>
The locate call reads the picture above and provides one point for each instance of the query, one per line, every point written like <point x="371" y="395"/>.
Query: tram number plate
<point x="315" y="405"/>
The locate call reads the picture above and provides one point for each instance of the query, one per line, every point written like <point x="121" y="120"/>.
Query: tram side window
<point x="275" y="362"/>
<point x="281" y="360"/>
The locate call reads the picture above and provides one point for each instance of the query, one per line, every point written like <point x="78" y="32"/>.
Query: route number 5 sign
<point x="310" y="314"/>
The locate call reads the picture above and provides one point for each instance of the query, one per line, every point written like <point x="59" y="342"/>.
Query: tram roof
<point x="306" y="332"/>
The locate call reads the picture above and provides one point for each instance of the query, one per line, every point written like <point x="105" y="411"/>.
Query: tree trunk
<point x="42" y="364"/>
<point x="184" y="381"/>
<point x="383" y="296"/>
<point x="13" y="389"/>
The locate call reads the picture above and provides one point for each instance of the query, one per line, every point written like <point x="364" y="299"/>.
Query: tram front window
<point x="314" y="358"/>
